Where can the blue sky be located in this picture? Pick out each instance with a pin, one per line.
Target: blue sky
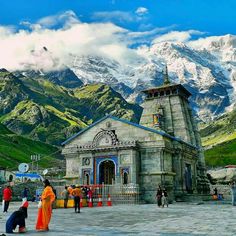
(216, 17)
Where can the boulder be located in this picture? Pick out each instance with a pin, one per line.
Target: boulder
(224, 175)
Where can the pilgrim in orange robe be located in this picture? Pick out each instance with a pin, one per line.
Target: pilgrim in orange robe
(45, 212)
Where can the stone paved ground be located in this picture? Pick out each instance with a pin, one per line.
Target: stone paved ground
(178, 219)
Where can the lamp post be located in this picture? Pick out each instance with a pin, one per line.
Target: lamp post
(35, 158)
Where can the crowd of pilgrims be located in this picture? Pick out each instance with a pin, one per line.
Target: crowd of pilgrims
(47, 199)
(45, 205)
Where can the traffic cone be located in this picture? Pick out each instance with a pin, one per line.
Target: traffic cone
(109, 201)
(90, 204)
(81, 202)
(99, 201)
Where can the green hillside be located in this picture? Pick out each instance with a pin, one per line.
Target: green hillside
(15, 149)
(100, 99)
(219, 140)
(51, 113)
(222, 154)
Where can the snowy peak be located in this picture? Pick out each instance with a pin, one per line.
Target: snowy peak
(215, 42)
(222, 46)
(206, 67)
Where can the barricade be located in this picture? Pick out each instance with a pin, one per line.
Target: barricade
(109, 200)
(81, 201)
(119, 194)
(60, 203)
(99, 201)
(90, 204)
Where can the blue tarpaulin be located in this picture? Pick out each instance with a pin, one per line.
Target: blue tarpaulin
(28, 175)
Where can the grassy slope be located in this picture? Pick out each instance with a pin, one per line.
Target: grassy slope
(219, 140)
(52, 113)
(100, 99)
(15, 149)
(56, 108)
(221, 154)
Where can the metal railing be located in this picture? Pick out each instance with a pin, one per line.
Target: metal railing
(119, 194)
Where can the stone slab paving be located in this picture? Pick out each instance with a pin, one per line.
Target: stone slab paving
(178, 219)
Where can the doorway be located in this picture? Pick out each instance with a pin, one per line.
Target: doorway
(107, 172)
(125, 178)
(86, 179)
(188, 178)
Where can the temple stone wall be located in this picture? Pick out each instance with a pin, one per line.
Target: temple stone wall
(165, 149)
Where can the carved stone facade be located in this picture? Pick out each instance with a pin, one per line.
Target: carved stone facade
(164, 149)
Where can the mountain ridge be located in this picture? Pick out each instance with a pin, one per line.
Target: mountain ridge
(45, 111)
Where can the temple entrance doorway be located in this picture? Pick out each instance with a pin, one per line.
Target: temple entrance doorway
(188, 178)
(107, 172)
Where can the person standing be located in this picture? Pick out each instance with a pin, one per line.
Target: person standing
(45, 211)
(233, 192)
(164, 198)
(159, 195)
(65, 194)
(25, 194)
(76, 193)
(7, 196)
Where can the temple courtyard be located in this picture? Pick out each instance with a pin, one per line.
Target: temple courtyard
(210, 218)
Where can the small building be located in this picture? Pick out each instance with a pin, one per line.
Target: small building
(163, 149)
(25, 177)
(6, 176)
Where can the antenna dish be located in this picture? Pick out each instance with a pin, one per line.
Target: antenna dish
(23, 167)
(45, 171)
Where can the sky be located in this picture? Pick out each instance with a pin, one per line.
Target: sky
(216, 17)
(106, 26)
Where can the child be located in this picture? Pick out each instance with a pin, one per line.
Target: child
(18, 218)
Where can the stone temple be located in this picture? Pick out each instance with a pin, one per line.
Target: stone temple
(163, 149)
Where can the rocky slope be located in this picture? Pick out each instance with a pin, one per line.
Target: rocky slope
(206, 67)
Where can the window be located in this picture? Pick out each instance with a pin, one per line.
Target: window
(156, 94)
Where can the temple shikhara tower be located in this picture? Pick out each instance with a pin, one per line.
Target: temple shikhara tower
(164, 149)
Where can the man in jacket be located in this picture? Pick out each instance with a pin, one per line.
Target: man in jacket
(7, 196)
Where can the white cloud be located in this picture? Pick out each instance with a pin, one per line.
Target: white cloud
(24, 48)
(66, 18)
(152, 32)
(177, 36)
(117, 16)
(141, 11)
(121, 16)
(5, 31)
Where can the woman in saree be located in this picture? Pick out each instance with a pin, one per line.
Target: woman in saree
(45, 211)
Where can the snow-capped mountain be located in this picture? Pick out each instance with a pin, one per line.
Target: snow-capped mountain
(206, 67)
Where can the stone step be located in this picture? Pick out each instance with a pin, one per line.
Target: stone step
(193, 198)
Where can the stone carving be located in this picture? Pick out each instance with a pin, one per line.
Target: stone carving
(112, 145)
(105, 138)
(86, 161)
(125, 159)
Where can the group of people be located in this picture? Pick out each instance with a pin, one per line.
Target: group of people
(18, 217)
(76, 192)
(162, 197)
